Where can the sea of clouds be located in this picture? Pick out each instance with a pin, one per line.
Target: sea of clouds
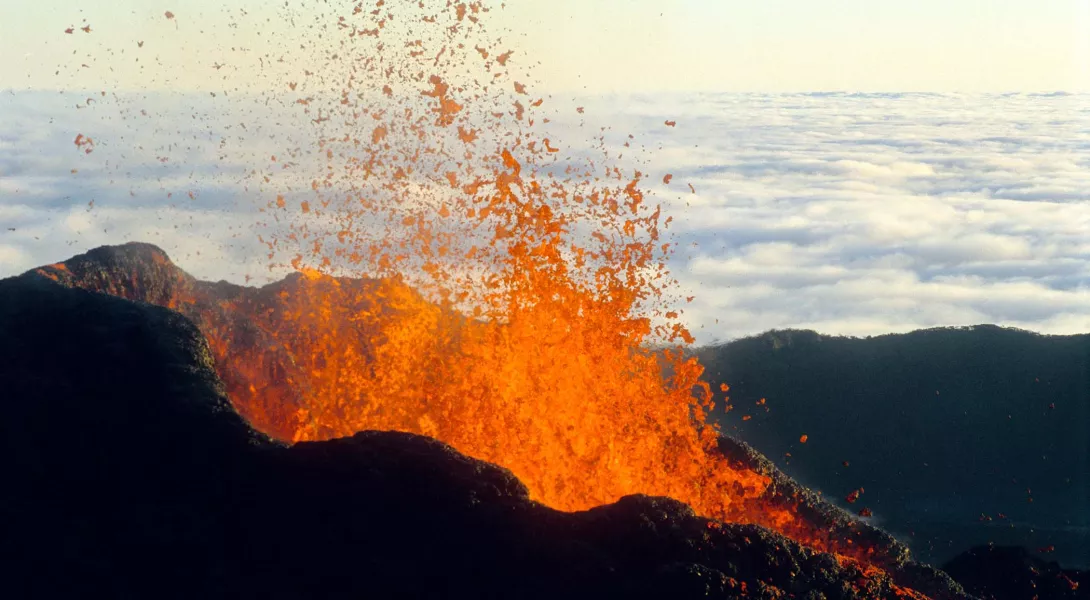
(850, 214)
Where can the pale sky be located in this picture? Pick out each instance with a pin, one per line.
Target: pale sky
(670, 45)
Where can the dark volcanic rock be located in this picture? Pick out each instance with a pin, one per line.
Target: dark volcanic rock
(1009, 573)
(119, 447)
(886, 551)
(259, 342)
(127, 475)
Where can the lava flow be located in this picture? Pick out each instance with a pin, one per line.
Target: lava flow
(463, 276)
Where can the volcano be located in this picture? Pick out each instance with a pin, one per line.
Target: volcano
(475, 385)
(137, 468)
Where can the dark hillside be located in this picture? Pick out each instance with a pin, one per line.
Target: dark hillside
(958, 437)
(129, 475)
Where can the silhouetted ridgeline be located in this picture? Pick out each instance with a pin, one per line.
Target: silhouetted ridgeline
(127, 474)
(957, 436)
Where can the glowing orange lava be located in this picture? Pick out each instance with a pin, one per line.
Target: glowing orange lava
(542, 285)
(464, 275)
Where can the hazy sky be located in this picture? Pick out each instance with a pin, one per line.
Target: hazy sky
(640, 45)
(803, 45)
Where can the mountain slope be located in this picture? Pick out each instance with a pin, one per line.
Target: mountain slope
(957, 437)
(128, 475)
(268, 342)
(307, 345)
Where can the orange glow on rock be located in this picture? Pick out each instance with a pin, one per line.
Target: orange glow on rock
(505, 309)
(459, 277)
(508, 297)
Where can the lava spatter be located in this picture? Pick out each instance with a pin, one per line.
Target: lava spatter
(542, 286)
(515, 303)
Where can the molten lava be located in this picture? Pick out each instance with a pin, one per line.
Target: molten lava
(542, 284)
(462, 277)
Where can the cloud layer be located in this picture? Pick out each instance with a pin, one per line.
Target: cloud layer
(846, 213)
(862, 214)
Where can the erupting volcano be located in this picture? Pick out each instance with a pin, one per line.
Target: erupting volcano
(508, 301)
(258, 336)
(463, 277)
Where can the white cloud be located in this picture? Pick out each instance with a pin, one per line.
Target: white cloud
(861, 214)
(851, 214)
(893, 170)
(15, 256)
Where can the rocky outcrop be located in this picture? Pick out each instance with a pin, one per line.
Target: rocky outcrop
(257, 336)
(128, 475)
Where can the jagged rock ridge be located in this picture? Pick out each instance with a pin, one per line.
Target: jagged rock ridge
(257, 335)
(265, 380)
(128, 475)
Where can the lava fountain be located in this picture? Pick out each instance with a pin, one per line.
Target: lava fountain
(463, 276)
(541, 337)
